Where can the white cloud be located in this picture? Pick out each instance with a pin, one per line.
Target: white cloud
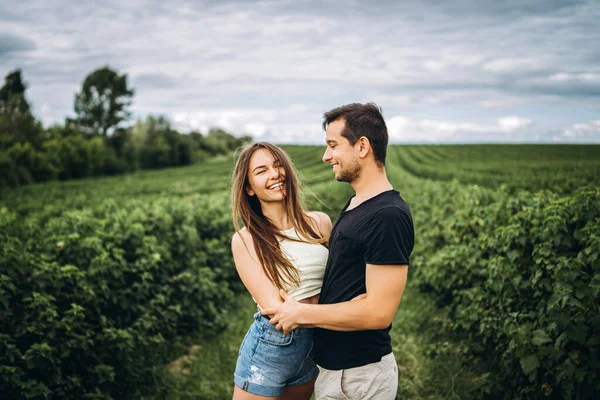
(512, 124)
(513, 64)
(253, 122)
(567, 77)
(47, 113)
(275, 125)
(243, 65)
(280, 127)
(500, 102)
(407, 129)
(584, 131)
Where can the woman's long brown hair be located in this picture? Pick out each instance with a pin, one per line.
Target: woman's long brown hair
(265, 234)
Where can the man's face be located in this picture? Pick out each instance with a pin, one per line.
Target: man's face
(340, 154)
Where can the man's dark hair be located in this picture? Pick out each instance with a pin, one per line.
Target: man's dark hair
(362, 120)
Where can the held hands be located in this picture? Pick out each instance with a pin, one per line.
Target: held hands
(286, 316)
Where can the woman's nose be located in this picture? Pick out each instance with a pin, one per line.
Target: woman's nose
(275, 172)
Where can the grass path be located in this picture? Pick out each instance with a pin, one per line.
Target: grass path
(429, 366)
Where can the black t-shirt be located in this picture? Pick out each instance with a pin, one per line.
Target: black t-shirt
(377, 231)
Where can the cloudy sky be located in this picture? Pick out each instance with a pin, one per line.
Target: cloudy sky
(443, 71)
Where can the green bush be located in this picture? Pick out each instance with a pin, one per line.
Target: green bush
(7, 174)
(30, 165)
(520, 275)
(95, 302)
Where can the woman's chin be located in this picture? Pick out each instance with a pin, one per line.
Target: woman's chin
(272, 198)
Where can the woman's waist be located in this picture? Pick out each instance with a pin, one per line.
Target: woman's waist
(306, 298)
(306, 290)
(263, 322)
(311, 298)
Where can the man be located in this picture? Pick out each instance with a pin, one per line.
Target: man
(370, 246)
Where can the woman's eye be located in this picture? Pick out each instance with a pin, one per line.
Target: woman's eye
(260, 172)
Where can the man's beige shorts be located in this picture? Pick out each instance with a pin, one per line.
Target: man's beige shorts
(372, 381)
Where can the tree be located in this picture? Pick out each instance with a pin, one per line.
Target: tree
(17, 124)
(160, 145)
(103, 101)
(122, 141)
(13, 84)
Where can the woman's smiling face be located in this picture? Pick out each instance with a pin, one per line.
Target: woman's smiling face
(266, 177)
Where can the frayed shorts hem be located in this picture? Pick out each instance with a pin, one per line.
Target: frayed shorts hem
(257, 389)
(272, 391)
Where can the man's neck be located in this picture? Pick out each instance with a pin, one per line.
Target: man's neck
(372, 182)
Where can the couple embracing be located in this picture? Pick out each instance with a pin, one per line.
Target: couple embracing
(327, 294)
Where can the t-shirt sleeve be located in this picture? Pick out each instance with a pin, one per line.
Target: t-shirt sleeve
(389, 237)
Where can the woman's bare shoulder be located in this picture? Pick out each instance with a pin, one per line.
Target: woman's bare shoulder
(318, 216)
(323, 221)
(241, 240)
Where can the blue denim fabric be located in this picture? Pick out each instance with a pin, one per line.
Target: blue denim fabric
(269, 360)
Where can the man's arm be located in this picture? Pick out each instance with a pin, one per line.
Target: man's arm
(374, 310)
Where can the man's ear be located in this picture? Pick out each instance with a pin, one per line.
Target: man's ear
(249, 191)
(364, 147)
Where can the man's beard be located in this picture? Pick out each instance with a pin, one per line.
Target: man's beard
(351, 173)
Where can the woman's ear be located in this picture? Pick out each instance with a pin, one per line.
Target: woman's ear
(249, 191)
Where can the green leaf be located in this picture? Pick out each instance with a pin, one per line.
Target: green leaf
(559, 344)
(530, 364)
(540, 338)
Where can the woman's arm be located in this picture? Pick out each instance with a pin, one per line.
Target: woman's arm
(251, 272)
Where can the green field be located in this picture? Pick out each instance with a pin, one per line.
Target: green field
(123, 287)
(560, 168)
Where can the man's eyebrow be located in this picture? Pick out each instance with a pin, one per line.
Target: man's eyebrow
(331, 141)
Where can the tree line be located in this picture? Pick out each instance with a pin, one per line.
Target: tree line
(98, 140)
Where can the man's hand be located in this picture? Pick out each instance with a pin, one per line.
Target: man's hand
(287, 315)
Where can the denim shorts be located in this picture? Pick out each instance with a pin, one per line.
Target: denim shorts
(269, 360)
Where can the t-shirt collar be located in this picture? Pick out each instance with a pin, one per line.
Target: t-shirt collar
(366, 201)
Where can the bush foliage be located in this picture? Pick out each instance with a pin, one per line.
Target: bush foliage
(102, 281)
(520, 275)
(95, 302)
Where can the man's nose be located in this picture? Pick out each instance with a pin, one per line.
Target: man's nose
(326, 155)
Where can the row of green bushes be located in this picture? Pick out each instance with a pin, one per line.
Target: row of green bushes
(560, 168)
(65, 158)
(520, 277)
(66, 153)
(94, 303)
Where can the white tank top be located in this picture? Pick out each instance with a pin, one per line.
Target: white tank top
(310, 260)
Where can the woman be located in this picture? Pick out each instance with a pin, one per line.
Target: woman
(280, 247)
